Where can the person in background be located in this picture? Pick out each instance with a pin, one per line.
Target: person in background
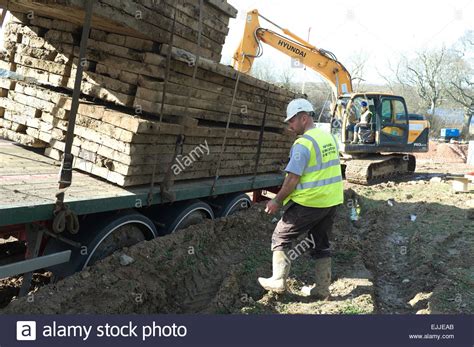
(365, 119)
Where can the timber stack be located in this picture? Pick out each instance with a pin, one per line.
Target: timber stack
(154, 98)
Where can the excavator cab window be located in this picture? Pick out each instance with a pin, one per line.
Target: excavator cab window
(400, 114)
(393, 111)
(386, 114)
(394, 121)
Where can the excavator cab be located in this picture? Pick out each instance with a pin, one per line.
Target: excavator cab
(388, 128)
(378, 154)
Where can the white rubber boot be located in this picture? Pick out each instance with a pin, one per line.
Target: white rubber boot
(350, 136)
(281, 269)
(320, 290)
(355, 138)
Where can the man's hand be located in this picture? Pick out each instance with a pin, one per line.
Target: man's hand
(288, 186)
(272, 206)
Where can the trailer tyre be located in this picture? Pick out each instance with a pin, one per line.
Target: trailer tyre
(181, 215)
(195, 213)
(234, 203)
(100, 237)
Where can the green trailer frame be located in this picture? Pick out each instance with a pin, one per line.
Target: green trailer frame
(22, 214)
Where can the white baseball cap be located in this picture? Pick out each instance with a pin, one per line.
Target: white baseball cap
(297, 105)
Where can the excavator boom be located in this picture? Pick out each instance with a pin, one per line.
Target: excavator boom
(298, 49)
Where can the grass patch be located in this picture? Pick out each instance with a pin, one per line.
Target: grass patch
(259, 259)
(352, 309)
(345, 257)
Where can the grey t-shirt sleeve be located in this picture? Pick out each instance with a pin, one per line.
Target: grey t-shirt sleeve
(299, 159)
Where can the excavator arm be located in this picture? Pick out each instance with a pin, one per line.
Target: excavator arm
(321, 61)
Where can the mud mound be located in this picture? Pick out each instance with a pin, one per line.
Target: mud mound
(445, 152)
(181, 272)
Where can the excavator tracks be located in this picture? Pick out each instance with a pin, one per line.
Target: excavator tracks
(377, 168)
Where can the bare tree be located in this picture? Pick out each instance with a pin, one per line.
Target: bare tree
(320, 94)
(286, 77)
(414, 103)
(357, 67)
(425, 74)
(460, 84)
(263, 69)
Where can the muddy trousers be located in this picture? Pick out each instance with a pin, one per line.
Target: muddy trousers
(298, 219)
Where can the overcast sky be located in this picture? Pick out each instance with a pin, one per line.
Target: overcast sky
(381, 30)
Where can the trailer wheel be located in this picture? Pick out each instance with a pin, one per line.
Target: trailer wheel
(180, 215)
(234, 203)
(195, 213)
(123, 236)
(100, 237)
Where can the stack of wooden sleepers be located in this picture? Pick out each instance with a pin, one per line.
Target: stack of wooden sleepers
(118, 132)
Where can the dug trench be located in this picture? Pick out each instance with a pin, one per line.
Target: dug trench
(386, 261)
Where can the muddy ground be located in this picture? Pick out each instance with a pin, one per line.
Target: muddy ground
(409, 251)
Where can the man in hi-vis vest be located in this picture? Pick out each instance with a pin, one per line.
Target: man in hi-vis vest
(313, 188)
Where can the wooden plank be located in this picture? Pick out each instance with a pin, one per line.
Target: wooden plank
(32, 102)
(132, 149)
(9, 104)
(111, 18)
(108, 83)
(226, 89)
(116, 50)
(189, 58)
(51, 96)
(176, 94)
(121, 99)
(128, 170)
(23, 139)
(124, 180)
(133, 43)
(22, 119)
(184, 36)
(41, 64)
(212, 28)
(223, 6)
(175, 109)
(119, 144)
(133, 123)
(62, 10)
(105, 94)
(42, 76)
(62, 54)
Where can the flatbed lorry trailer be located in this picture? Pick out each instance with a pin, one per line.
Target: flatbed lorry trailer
(68, 221)
(109, 217)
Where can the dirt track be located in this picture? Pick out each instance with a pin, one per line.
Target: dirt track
(383, 263)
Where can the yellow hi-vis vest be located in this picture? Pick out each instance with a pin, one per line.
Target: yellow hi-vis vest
(321, 183)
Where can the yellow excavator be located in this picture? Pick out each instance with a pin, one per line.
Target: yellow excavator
(384, 142)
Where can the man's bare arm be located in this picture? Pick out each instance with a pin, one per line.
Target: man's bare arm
(288, 186)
